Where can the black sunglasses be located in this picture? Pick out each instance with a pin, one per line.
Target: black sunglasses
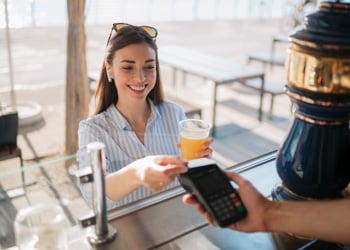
(153, 32)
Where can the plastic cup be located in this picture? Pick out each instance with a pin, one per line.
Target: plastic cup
(194, 134)
(41, 227)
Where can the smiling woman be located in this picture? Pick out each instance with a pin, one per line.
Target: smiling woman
(134, 78)
(138, 127)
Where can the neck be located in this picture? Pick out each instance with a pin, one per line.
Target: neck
(137, 116)
(136, 112)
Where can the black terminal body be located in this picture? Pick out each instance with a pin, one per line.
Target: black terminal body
(212, 188)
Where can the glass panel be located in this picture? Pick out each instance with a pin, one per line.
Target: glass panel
(51, 182)
(46, 182)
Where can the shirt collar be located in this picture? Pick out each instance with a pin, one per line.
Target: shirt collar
(122, 123)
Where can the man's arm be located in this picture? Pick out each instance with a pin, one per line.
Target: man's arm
(325, 220)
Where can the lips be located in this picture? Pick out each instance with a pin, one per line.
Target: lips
(138, 87)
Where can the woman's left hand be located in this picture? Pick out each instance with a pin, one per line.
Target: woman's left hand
(206, 149)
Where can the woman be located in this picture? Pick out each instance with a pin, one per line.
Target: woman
(139, 129)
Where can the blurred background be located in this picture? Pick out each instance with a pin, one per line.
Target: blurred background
(43, 13)
(39, 43)
(34, 73)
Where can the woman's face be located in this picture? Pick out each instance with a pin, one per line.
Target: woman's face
(134, 71)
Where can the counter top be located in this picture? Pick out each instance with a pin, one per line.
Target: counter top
(169, 224)
(163, 222)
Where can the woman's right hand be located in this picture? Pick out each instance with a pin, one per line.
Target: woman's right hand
(156, 172)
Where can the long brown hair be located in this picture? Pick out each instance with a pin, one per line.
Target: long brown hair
(106, 92)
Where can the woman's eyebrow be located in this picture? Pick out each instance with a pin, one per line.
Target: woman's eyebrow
(132, 61)
(150, 60)
(127, 61)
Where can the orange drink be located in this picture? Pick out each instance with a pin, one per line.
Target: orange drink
(193, 135)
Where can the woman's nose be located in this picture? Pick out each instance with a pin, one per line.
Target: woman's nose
(140, 75)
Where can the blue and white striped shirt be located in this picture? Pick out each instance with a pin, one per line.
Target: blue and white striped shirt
(122, 144)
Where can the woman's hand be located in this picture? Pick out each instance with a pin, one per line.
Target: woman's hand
(254, 202)
(156, 172)
(206, 149)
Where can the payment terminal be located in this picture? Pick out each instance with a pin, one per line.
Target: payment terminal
(212, 188)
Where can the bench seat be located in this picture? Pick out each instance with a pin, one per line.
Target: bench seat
(267, 59)
(191, 111)
(273, 88)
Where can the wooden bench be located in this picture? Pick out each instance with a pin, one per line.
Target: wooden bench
(273, 88)
(267, 59)
(93, 78)
(215, 69)
(279, 39)
(271, 58)
(191, 111)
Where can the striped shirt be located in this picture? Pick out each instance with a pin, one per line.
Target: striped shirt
(122, 144)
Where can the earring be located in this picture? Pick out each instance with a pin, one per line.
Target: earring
(108, 76)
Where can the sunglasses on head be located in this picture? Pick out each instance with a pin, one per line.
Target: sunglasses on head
(151, 31)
